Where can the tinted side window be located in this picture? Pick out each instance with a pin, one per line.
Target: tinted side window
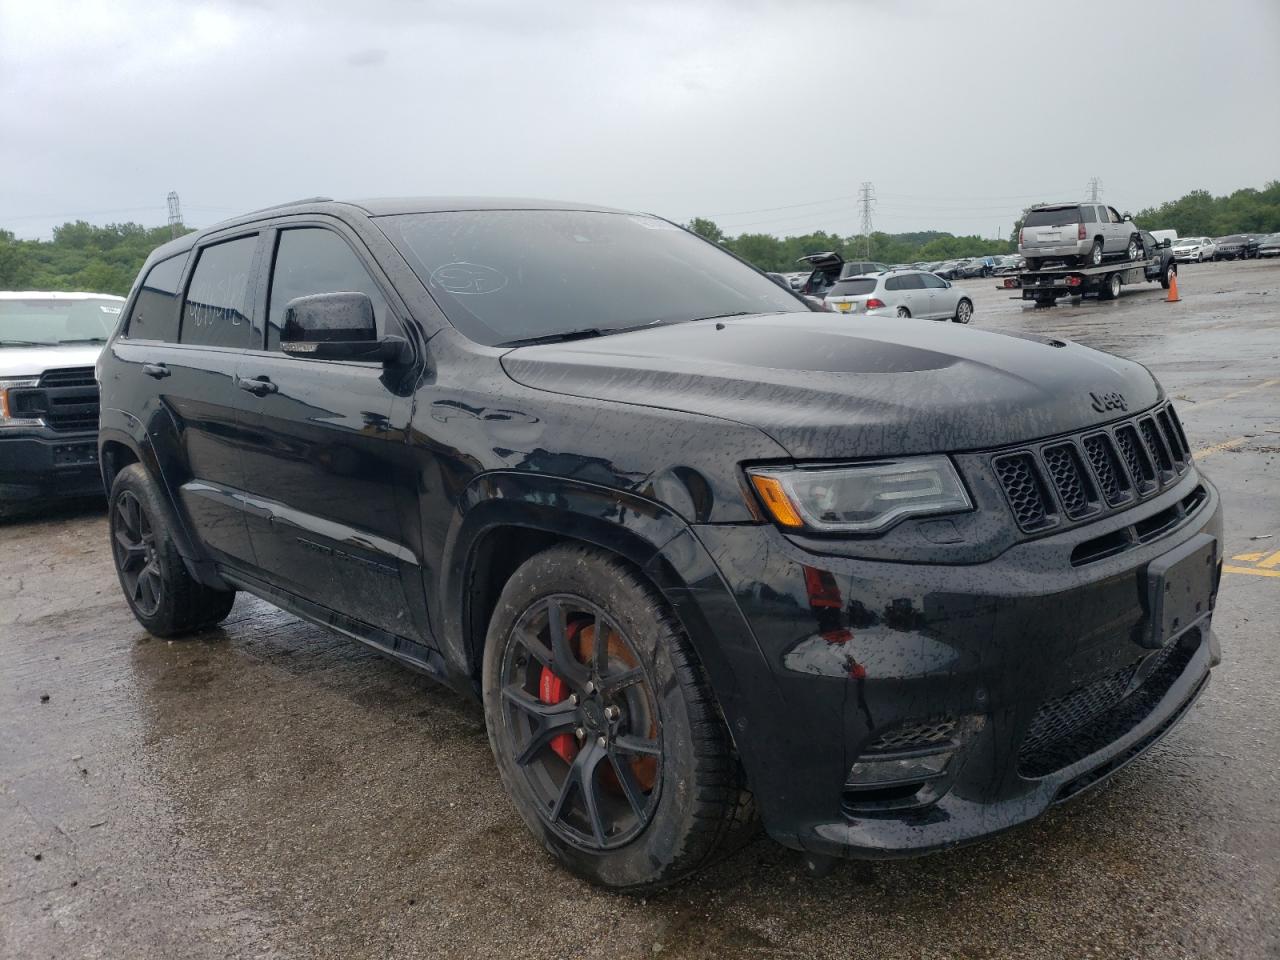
(1089, 214)
(216, 311)
(1115, 217)
(912, 281)
(155, 312)
(311, 260)
(932, 280)
(894, 283)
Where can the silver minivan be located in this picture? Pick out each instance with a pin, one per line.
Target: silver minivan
(901, 293)
(1081, 232)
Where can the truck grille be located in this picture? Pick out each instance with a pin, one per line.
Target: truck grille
(68, 398)
(1080, 476)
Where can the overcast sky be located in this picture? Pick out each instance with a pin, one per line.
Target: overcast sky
(765, 116)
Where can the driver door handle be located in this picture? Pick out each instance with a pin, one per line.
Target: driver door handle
(258, 386)
(157, 370)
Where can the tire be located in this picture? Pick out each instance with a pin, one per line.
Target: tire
(157, 586)
(694, 803)
(1111, 289)
(1170, 269)
(1134, 250)
(964, 311)
(1094, 257)
(903, 313)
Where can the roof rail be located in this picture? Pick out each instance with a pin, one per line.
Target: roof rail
(292, 203)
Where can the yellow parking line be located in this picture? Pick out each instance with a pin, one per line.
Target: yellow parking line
(1219, 447)
(1250, 557)
(1271, 561)
(1256, 573)
(1233, 395)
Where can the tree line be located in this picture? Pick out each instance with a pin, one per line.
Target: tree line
(106, 259)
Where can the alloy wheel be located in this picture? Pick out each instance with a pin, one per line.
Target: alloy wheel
(964, 311)
(133, 543)
(581, 722)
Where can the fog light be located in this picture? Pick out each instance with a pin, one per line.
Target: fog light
(880, 773)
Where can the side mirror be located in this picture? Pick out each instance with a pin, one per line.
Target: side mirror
(1128, 219)
(336, 326)
(1166, 243)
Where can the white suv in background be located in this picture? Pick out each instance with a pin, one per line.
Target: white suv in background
(901, 293)
(1194, 249)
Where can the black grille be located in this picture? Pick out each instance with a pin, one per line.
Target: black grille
(1116, 487)
(1136, 457)
(68, 377)
(1024, 490)
(1152, 439)
(1177, 426)
(1071, 727)
(1171, 438)
(1104, 469)
(67, 399)
(1074, 487)
(913, 736)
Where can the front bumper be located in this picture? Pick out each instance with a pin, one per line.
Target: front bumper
(49, 465)
(860, 651)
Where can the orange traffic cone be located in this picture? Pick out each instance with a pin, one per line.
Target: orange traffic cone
(1173, 287)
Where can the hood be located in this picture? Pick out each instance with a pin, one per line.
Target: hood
(33, 361)
(823, 386)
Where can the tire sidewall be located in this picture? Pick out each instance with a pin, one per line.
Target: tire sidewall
(135, 480)
(642, 861)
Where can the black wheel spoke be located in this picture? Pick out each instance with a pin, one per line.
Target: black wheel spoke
(549, 720)
(590, 759)
(563, 661)
(612, 685)
(630, 786)
(637, 746)
(600, 651)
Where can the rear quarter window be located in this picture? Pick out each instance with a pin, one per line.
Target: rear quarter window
(857, 287)
(155, 312)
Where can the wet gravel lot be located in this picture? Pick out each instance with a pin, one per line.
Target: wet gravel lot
(271, 790)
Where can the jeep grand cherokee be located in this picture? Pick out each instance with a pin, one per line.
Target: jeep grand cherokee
(700, 551)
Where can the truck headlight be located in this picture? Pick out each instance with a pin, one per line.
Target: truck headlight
(860, 498)
(9, 417)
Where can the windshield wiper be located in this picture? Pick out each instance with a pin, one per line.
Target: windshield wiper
(722, 316)
(28, 343)
(585, 333)
(85, 340)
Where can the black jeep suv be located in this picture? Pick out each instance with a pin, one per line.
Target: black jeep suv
(701, 551)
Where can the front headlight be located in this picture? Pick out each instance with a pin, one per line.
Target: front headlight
(7, 411)
(861, 498)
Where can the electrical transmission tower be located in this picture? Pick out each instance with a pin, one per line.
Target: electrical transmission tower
(175, 214)
(866, 199)
(1095, 189)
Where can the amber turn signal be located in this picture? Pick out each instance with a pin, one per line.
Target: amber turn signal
(776, 500)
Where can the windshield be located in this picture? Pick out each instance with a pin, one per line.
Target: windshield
(1057, 217)
(1188, 242)
(503, 276)
(859, 287)
(45, 321)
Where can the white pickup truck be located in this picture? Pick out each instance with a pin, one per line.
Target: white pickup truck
(49, 343)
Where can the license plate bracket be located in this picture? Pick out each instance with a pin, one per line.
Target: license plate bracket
(1179, 589)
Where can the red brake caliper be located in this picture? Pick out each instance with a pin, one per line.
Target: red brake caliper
(553, 689)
